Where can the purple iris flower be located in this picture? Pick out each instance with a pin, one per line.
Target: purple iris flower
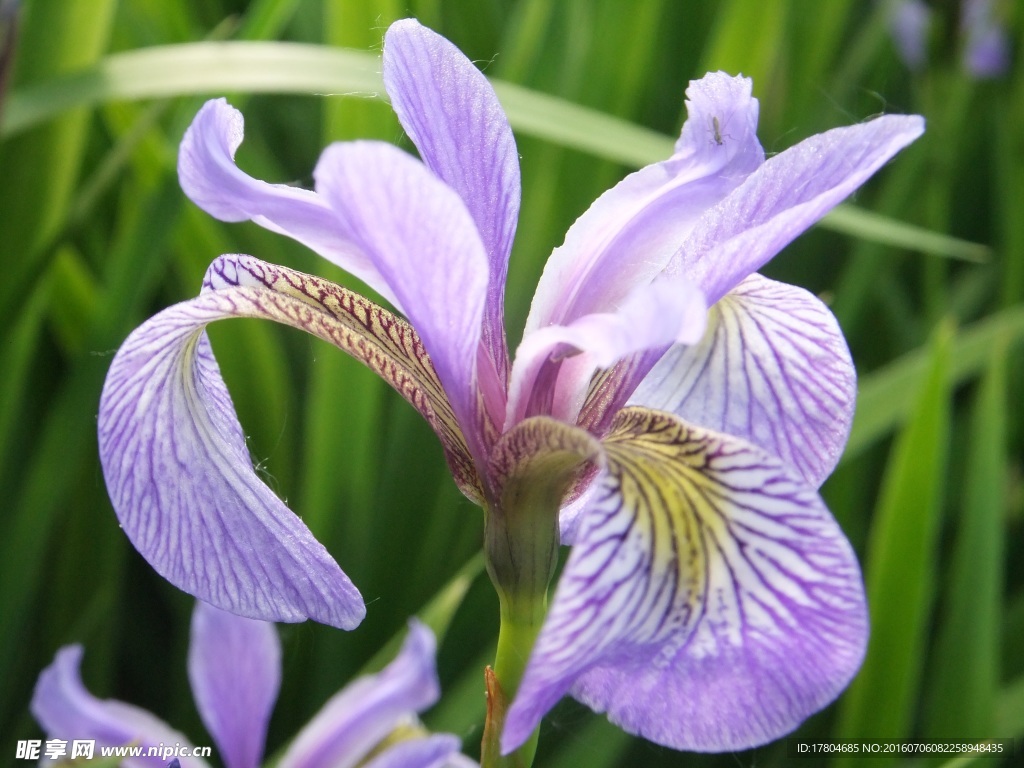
(985, 45)
(234, 666)
(986, 50)
(710, 601)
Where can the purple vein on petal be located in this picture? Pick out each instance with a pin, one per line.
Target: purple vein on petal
(773, 368)
(183, 486)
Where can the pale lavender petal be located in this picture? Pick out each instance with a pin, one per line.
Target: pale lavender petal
(426, 246)
(357, 718)
(234, 666)
(209, 176)
(710, 602)
(453, 116)
(785, 196)
(65, 710)
(438, 751)
(183, 486)
(629, 235)
(987, 47)
(909, 21)
(773, 368)
(554, 364)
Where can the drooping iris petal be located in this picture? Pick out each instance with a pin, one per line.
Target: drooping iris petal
(209, 176)
(357, 718)
(424, 242)
(386, 344)
(438, 751)
(773, 368)
(710, 601)
(629, 235)
(453, 116)
(785, 196)
(554, 364)
(66, 710)
(234, 666)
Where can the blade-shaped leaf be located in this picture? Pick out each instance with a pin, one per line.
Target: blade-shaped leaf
(900, 568)
(965, 672)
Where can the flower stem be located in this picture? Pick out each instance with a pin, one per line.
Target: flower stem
(521, 621)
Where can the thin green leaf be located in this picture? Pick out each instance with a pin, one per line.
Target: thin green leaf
(262, 67)
(965, 666)
(1009, 718)
(900, 564)
(436, 614)
(885, 397)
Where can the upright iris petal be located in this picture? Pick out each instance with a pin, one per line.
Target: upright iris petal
(453, 117)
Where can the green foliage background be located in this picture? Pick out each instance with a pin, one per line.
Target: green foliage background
(95, 236)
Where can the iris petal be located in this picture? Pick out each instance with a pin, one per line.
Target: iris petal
(554, 365)
(234, 666)
(422, 238)
(773, 368)
(386, 344)
(209, 176)
(66, 710)
(183, 486)
(710, 601)
(785, 196)
(630, 233)
(453, 116)
(357, 718)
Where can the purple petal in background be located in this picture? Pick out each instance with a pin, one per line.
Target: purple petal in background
(209, 176)
(183, 486)
(909, 21)
(452, 115)
(785, 196)
(357, 718)
(773, 369)
(438, 751)
(628, 236)
(709, 603)
(234, 666)
(424, 242)
(986, 45)
(66, 710)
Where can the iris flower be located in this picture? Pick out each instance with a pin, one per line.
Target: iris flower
(710, 600)
(984, 42)
(234, 666)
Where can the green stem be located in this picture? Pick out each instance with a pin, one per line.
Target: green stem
(520, 624)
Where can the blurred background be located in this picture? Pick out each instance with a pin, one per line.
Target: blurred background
(924, 269)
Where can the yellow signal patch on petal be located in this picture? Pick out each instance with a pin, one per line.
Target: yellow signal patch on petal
(710, 601)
